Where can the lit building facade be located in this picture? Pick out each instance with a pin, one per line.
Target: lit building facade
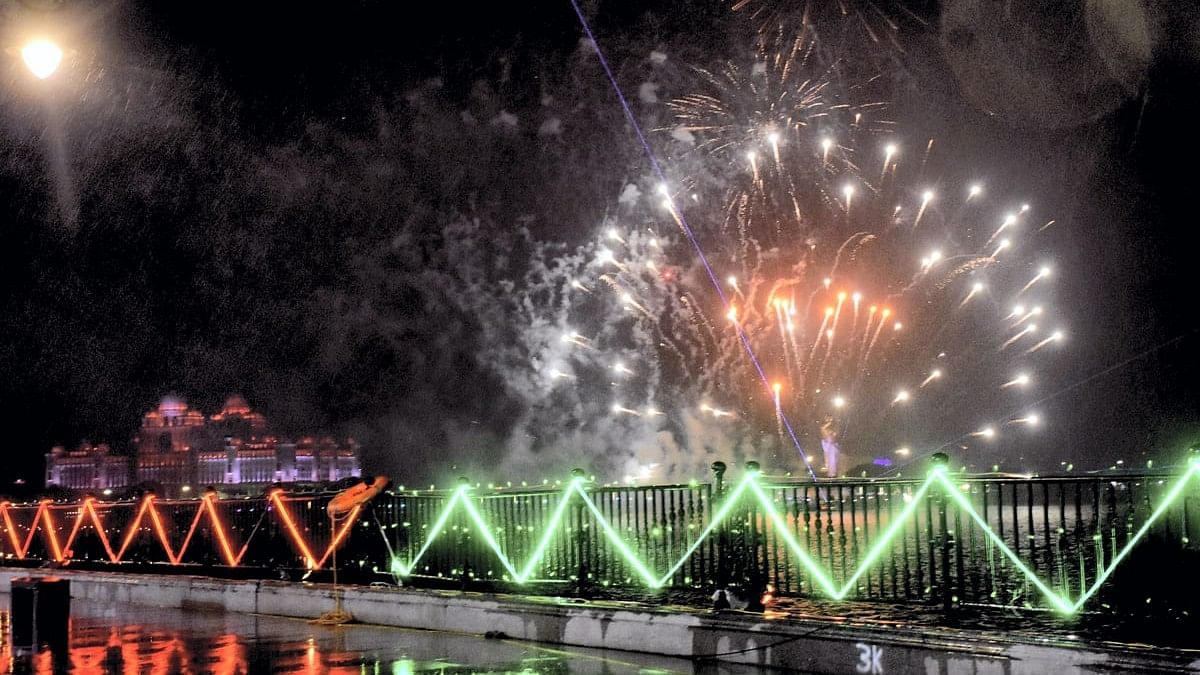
(88, 467)
(178, 450)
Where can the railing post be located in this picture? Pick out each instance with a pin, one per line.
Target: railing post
(755, 576)
(940, 462)
(463, 541)
(583, 586)
(721, 573)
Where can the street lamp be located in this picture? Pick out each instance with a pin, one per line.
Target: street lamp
(42, 57)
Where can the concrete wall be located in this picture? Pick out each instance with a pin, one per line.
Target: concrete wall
(813, 646)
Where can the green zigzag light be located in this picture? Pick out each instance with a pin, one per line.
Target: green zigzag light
(1060, 602)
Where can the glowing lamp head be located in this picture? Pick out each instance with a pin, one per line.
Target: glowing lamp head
(1032, 420)
(975, 190)
(1057, 336)
(1022, 379)
(987, 432)
(857, 297)
(902, 396)
(829, 333)
(1018, 309)
(1044, 271)
(732, 314)
(41, 57)
(927, 196)
(731, 280)
(935, 374)
(886, 312)
(977, 287)
(773, 138)
(752, 156)
(839, 402)
(1009, 220)
(828, 311)
(613, 234)
(848, 190)
(827, 282)
(662, 190)
(604, 255)
(841, 296)
(777, 387)
(1024, 208)
(903, 452)
(872, 309)
(897, 326)
(1036, 311)
(826, 144)
(889, 149)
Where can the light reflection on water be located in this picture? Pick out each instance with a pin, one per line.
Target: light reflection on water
(129, 640)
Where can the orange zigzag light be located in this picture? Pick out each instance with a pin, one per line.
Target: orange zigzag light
(87, 511)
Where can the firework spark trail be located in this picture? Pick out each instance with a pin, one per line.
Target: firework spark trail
(783, 322)
(686, 229)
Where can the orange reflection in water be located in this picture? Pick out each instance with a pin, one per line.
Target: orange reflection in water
(130, 649)
(94, 647)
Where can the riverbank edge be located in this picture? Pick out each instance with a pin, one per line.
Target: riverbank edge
(736, 637)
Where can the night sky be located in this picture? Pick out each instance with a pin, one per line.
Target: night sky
(206, 200)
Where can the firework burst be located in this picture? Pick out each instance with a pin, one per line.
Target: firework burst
(880, 305)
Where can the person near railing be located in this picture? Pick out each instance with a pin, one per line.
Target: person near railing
(829, 446)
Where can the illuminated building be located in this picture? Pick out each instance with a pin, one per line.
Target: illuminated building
(88, 467)
(178, 450)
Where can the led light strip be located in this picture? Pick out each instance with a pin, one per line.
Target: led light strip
(938, 478)
(43, 519)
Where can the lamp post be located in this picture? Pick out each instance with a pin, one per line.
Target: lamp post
(42, 57)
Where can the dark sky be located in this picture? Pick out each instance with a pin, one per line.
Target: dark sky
(200, 253)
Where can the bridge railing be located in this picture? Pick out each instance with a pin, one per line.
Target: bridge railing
(1097, 543)
(1057, 543)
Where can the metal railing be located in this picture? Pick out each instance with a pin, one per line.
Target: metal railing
(1100, 543)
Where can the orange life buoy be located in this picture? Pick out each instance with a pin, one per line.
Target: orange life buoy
(356, 495)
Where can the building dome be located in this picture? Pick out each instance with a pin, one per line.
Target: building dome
(171, 406)
(236, 405)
